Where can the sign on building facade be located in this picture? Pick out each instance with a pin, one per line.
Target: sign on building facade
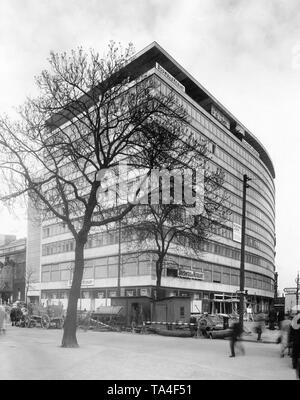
(236, 232)
(170, 77)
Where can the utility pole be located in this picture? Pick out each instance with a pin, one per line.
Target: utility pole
(297, 291)
(275, 285)
(119, 260)
(242, 267)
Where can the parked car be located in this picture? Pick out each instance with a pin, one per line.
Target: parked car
(210, 322)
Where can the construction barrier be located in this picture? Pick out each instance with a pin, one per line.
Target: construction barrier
(171, 323)
(219, 334)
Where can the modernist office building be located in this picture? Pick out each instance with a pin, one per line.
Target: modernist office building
(211, 280)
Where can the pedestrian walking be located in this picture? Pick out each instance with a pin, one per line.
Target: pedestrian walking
(13, 316)
(272, 318)
(281, 317)
(235, 337)
(3, 318)
(193, 326)
(295, 337)
(86, 321)
(285, 325)
(249, 313)
(260, 325)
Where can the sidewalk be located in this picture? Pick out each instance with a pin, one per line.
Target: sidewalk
(268, 336)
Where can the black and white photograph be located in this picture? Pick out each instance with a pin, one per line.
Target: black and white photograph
(149, 160)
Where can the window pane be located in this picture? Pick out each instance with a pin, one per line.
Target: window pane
(101, 271)
(113, 271)
(45, 276)
(88, 273)
(207, 275)
(217, 277)
(65, 275)
(129, 269)
(226, 279)
(144, 268)
(55, 276)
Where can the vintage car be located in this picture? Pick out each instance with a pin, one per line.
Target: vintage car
(209, 322)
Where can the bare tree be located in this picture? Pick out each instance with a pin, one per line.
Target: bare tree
(92, 113)
(30, 279)
(180, 227)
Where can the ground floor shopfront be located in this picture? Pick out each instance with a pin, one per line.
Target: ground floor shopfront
(201, 300)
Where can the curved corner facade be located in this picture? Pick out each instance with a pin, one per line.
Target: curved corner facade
(211, 280)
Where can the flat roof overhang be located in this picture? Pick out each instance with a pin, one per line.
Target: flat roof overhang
(147, 58)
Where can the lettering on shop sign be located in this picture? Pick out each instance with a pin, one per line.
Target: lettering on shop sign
(190, 274)
(84, 282)
(169, 76)
(290, 290)
(220, 116)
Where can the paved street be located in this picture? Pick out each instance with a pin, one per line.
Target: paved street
(36, 354)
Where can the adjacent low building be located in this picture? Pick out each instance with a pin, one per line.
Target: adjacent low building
(212, 279)
(12, 268)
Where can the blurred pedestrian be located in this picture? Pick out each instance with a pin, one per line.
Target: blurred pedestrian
(18, 316)
(284, 335)
(260, 325)
(249, 313)
(295, 337)
(281, 317)
(13, 316)
(86, 321)
(3, 318)
(193, 326)
(235, 337)
(272, 318)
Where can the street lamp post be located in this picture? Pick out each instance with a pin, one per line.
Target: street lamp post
(297, 291)
(276, 286)
(119, 261)
(242, 267)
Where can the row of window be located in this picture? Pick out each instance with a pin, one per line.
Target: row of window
(111, 237)
(105, 267)
(256, 170)
(257, 164)
(252, 210)
(254, 227)
(237, 166)
(95, 294)
(230, 252)
(133, 265)
(236, 185)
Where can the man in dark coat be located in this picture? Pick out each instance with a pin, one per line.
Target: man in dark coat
(235, 334)
(295, 338)
(19, 315)
(13, 316)
(272, 318)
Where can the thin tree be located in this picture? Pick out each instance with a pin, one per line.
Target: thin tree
(172, 226)
(29, 279)
(92, 113)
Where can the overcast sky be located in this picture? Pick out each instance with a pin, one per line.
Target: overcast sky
(240, 50)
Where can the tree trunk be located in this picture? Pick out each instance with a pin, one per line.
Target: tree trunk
(159, 265)
(69, 337)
